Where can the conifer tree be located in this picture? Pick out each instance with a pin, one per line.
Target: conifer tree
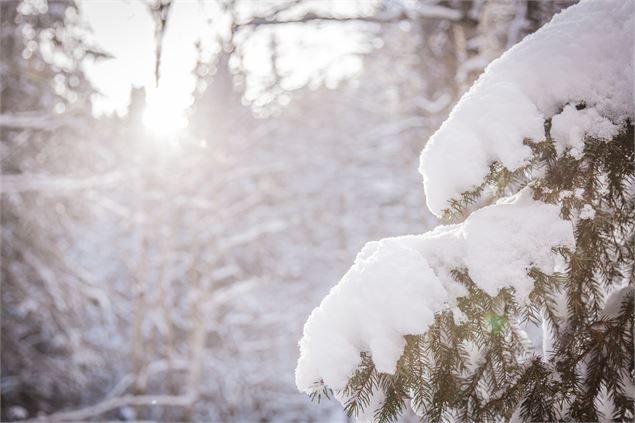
(476, 361)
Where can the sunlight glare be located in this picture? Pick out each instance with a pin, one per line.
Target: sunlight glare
(163, 117)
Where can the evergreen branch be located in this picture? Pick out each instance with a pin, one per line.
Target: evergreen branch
(360, 387)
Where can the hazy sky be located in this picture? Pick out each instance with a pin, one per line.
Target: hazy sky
(125, 29)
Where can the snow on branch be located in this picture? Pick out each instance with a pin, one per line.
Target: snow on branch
(83, 414)
(42, 121)
(48, 183)
(397, 285)
(422, 11)
(564, 65)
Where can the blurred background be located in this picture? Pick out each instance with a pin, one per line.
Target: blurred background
(183, 181)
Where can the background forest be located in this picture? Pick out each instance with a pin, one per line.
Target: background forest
(155, 273)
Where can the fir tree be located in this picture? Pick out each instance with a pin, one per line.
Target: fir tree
(474, 362)
(433, 371)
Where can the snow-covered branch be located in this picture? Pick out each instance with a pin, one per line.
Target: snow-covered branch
(42, 121)
(119, 402)
(423, 11)
(51, 183)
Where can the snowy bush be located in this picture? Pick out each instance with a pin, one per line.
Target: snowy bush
(522, 306)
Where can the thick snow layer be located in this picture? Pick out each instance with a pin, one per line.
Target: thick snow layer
(505, 240)
(569, 128)
(583, 56)
(389, 292)
(397, 284)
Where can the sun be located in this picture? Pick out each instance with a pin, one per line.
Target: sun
(162, 117)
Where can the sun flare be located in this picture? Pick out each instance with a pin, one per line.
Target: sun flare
(161, 117)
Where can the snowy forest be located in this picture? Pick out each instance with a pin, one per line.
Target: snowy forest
(184, 182)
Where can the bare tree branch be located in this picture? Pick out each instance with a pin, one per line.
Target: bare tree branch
(159, 11)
